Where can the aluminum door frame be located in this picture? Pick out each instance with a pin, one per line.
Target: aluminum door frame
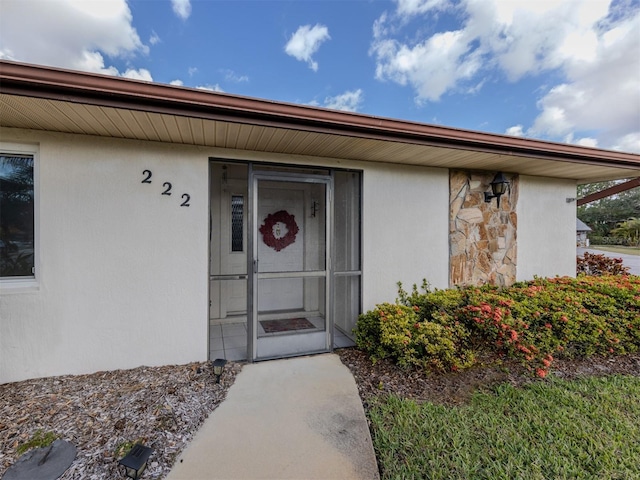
(252, 259)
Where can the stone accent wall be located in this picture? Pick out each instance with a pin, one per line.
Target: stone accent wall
(482, 238)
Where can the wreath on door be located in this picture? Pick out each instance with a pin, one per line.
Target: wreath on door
(272, 234)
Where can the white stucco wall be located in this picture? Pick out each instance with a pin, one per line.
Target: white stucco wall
(405, 230)
(123, 269)
(546, 228)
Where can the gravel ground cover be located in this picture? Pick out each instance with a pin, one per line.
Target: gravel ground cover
(162, 407)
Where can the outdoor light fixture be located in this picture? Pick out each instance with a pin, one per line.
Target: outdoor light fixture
(218, 367)
(135, 461)
(499, 186)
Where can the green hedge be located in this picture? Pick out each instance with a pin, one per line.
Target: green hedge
(533, 321)
(598, 240)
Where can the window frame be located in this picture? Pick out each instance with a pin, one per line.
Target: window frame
(18, 284)
(235, 223)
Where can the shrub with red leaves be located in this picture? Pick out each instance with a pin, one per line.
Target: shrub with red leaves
(599, 264)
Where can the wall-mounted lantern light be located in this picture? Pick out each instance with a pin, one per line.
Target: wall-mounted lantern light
(499, 186)
(218, 367)
(135, 461)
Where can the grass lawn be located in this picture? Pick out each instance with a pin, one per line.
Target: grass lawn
(553, 429)
(617, 249)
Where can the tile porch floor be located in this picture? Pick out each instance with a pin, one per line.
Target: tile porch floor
(230, 341)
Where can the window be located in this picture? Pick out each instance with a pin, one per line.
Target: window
(17, 207)
(237, 218)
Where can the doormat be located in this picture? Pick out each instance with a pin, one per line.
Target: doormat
(286, 325)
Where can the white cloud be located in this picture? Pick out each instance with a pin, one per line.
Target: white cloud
(414, 7)
(71, 34)
(380, 29)
(348, 101)
(231, 76)
(529, 37)
(516, 131)
(431, 67)
(182, 8)
(193, 71)
(583, 141)
(587, 142)
(600, 95)
(211, 88)
(553, 119)
(628, 143)
(90, 62)
(178, 83)
(139, 74)
(592, 48)
(305, 42)
(154, 38)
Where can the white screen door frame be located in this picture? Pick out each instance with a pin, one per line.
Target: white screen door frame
(261, 346)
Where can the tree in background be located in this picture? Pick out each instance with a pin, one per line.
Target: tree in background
(629, 230)
(606, 214)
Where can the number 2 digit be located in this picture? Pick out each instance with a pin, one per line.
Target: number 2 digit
(167, 190)
(186, 197)
(146, 179)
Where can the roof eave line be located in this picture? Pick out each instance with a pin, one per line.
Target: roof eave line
(102, 90)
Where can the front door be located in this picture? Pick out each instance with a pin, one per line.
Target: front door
(289, 308)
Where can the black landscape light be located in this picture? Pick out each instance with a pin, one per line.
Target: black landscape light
(499, 186)
(218, 367)
(135, 461)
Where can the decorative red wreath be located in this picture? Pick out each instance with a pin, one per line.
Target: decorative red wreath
(271, 233)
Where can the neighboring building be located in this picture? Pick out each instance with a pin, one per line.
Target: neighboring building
(582, 230)
(140, 220)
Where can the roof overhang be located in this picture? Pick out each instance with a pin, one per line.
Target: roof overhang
(607, 192)
(51, 99)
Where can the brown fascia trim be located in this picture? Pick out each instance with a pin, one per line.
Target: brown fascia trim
(102, 90)
(607, 192)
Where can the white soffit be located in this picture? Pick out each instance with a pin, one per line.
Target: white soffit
(106, 121)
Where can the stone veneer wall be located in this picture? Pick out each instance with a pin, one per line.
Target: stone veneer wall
(482, 238)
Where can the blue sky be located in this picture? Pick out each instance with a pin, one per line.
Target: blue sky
(566, 71)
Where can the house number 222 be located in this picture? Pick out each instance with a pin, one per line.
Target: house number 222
(167, 188)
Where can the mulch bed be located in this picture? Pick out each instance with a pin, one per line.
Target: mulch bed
(160, 406)
(384, 377)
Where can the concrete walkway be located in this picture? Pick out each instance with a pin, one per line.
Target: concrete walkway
(628, 260)
(298, 418)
